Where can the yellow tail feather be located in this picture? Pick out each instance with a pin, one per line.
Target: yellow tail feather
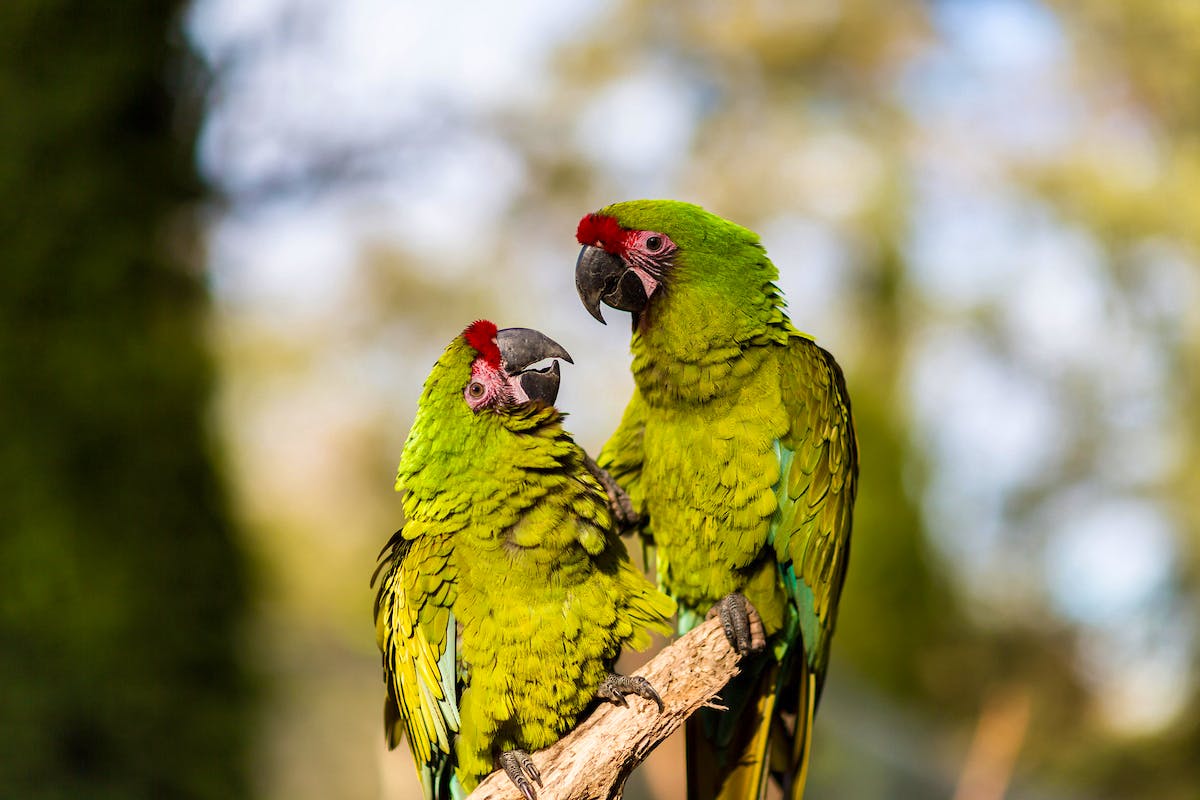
(739, 772)
(762, 746)
(802, 740)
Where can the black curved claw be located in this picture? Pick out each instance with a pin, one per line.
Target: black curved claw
(516, 765)
(743, 626)
(615, 687)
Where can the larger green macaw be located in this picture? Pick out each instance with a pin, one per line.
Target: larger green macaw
(738, 450)
(507, 595)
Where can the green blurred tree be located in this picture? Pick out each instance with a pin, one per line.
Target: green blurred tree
(123, 588)
(1140, 62)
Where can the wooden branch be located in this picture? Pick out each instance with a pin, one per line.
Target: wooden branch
(594, 760)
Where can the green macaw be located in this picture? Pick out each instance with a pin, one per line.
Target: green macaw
(507, 595)
(738, 450)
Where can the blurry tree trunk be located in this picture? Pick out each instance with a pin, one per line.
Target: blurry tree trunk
(123, 588)
(1003, 725)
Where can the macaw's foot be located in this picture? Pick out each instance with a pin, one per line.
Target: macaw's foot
(615, 687)
(743, 626)
(618, 501)
(519, 768)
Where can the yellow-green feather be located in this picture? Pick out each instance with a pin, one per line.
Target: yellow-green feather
(509, 549)
(738, 449)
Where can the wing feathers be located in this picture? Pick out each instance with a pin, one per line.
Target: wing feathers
(416, 632)
(812, 530)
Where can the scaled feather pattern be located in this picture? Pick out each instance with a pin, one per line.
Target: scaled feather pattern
(738, 450)
(506, 597)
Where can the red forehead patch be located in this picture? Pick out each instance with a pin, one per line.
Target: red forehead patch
(604, 231)
(481, 334)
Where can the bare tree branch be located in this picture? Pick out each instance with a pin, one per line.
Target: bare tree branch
(594, 760)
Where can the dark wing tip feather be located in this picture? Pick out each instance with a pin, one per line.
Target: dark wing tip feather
(393, 725)
(392, 554)
(394, 549)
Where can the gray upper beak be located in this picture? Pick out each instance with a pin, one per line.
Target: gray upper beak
(601, 276)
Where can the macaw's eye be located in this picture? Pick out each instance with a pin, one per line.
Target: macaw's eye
(654, 244)
(475, 390)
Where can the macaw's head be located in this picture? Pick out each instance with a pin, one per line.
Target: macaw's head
(639, 253)
(503, 370)
(486, 391)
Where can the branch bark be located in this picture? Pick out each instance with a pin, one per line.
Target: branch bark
(595, 759)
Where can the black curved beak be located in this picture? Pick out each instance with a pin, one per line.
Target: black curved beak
(522, 347)
(601, 276)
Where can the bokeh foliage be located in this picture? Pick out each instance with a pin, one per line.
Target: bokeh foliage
(985, 209)
(123, 588)
(843, 121)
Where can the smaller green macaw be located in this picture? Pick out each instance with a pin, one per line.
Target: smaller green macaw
(507, 595)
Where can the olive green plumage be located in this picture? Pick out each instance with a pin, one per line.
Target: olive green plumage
(739, 450)
(507, 595)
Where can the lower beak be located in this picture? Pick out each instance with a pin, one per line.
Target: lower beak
(601, 276)
(523, 347)
(540, 385)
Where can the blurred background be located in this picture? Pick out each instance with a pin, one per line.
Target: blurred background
(236, 234)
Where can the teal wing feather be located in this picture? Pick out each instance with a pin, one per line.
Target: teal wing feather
(811, 535)
(818, 483)
(416, 632)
